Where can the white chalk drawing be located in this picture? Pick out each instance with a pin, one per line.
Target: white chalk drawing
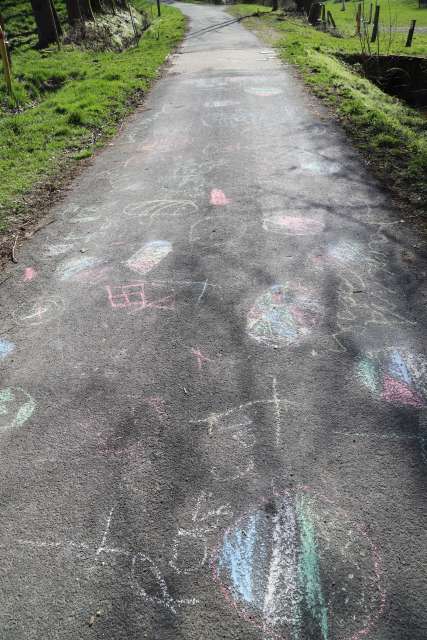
(161, 294)
(264, 91)
(16, 407)
(57, 250)
(297, 566)
(161, 208)
(36, 313)
(294, 225)
(190, 548)
(149, 256)
(315, 163)
(287, 314)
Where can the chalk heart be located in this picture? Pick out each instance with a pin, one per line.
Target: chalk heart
(396, 376)
(284, 315)
(16, 406)
(297, 567)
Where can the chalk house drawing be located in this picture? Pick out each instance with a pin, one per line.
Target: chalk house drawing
(297, 567)
(396, 376)
(16, 406)
(293, 225)
(149, 256)
(284, 315)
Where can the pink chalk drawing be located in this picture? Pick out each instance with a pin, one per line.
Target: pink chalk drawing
(200, 358)
(29, 274)
(285, 315)
(396, 376)
(139, 295)
(296, 561)
(218, 198)
(294, 225)
(149, 256)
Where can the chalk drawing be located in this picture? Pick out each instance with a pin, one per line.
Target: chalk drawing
(200, 358)
(6, 348)
(140, 295)
(293, 225)
(29, 274)
(396, 376)
(165, 144)
(215, 231)
(220, 104)
(190, 548)
(36, 313)
(74, 267)
(264, 92)
(149, 256)
(57, 250)
(317, 164)
(160, 208)
(296, 566)
(16, 407)
(218, 198)
(284, 315)
(158, 405)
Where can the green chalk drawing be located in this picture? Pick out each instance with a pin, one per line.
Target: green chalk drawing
(16, 406)
(368, 373)
(309, 572)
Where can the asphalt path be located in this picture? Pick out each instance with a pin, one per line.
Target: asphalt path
(213, 378)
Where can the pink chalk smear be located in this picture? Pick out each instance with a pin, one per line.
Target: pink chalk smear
(29, 274)
(219, 198)
(397, 393)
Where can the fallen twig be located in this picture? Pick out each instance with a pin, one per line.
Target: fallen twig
(14, 259)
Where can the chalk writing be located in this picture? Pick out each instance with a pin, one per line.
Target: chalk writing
(29, 274)
(396, 376)
(296, 564)
(140, 295)
(218, 198)
(41, 312)
(6, 348)
(293, 225)
(285, 315)
(16, 407)
(149, 256)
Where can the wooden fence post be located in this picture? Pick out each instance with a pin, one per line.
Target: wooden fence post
(6, 66)
(376, 20)
(410, 33)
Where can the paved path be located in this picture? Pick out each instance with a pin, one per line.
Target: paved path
(213, 396)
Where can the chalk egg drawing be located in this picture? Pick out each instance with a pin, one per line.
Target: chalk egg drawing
(76, 266)
(297, 567)
(284, 315)
(293, 225)
(264, 92)
(395, 376)
(16, 406)
(6, 348)
(149, 256)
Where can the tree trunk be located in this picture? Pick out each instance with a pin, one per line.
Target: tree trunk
(47, 21)
(86, 9)
(73, 12)
(97, 6)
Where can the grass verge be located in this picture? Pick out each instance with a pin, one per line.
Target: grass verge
(70, 102)
(391, 135)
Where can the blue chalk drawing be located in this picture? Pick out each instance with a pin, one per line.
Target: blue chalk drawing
(6, 348)
(237, 557)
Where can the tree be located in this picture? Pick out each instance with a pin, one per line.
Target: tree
(73, 11)
(86, 9)
(47, 21)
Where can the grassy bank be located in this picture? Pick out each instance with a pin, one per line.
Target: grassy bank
(391, 135)
(69, 102)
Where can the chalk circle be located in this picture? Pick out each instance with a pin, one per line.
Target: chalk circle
(285, 315)
(396, 376)
(161, 208)
(36, 313)
(297, 566)
(294, 225)
(16, 406)
(215, 231)
(264, 92)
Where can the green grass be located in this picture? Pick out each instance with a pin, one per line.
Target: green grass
(70, 101)
(392, 135)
